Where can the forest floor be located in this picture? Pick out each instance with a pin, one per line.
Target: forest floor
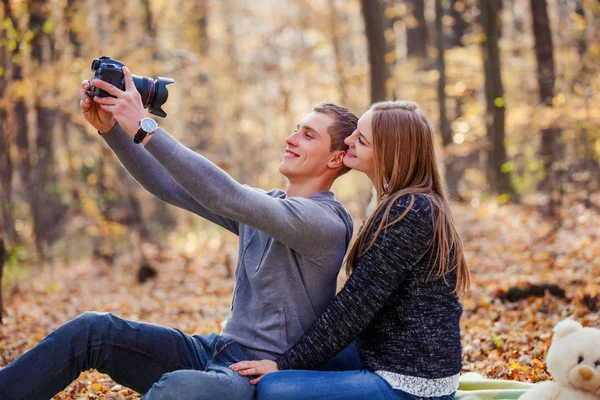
(506, 246)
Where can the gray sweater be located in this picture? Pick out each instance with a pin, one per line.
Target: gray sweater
(290, 248)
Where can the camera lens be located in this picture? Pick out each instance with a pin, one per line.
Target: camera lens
(154, 93)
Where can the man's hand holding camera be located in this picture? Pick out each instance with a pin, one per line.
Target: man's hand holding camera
(100, 119)
(126, 106)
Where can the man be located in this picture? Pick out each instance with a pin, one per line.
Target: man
(291, 247)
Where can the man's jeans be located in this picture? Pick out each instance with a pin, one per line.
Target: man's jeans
(330, 385)
(135, 354)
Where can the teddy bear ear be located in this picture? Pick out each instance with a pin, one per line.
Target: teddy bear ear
(566, 327)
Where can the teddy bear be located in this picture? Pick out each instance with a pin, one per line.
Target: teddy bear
(574, 362)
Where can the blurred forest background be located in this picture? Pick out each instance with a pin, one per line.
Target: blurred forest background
(512, 87)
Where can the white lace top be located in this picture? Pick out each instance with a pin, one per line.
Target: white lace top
(421, 386)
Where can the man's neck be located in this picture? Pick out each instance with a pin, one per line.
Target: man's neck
(306, 188)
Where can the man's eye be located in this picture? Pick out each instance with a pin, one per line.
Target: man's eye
(306, 135)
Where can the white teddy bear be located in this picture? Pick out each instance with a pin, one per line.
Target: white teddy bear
(574, 362)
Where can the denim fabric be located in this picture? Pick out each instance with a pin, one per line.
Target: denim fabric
(330, 385)
(134, 354)
(192, 385)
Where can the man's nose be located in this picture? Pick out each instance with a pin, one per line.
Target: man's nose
(291, 140)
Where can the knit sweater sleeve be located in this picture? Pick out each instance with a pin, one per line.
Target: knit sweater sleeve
(377, 274)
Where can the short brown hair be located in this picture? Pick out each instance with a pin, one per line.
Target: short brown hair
(344, 124)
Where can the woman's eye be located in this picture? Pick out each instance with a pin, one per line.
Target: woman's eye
(306, 135)
(597, 363)
(580, 360)
(360, 141)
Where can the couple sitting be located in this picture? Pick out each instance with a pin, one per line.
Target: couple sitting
(392, 332)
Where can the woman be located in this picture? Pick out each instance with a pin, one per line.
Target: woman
(407, 268)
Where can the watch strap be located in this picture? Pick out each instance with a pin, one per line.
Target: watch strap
(139, 136)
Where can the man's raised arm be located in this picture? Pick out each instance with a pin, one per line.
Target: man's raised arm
(303, 224)
(155, 179)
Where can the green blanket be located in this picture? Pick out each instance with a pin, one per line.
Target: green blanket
(473, 386)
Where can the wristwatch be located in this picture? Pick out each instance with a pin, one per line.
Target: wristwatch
(147, 126)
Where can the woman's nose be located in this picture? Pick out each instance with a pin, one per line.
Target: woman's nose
(348, 140)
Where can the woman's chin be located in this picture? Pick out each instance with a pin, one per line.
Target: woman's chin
(348, 162)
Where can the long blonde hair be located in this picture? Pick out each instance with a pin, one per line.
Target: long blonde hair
(405, 164)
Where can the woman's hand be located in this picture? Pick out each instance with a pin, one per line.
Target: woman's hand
(255, 368)
(127, 107)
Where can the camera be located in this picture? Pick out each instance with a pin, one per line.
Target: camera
(153, 91)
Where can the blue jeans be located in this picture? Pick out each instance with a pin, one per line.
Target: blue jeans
(341, 378)
(137, 355)
(190, 385)
(331, 385)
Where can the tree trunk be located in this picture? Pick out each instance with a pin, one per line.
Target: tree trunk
(337, 52)
(416, 32)
(445, 131)
(6, 164)
(550, 136)
(374, 27)
(149, 27)
(2, 258)
(499, 181)
(72, 8)
(441, 66)
(201, 12)
(18, 135)
(48, 212)
(581, 42)
(460, 26)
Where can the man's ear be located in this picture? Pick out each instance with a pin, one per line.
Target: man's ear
(336, 159)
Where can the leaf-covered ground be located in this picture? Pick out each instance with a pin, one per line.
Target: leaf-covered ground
(508, 246)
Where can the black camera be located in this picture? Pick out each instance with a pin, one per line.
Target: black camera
(153, 91)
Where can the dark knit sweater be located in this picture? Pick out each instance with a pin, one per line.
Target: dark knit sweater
(404, 322)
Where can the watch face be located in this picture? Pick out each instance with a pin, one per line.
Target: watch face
(148, 124)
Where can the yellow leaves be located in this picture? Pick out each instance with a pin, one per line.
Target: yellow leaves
(504, 198)
(29, 35)
(92, 179)
(559, 99)
(390, 57)
(498, 341)
(48, 27)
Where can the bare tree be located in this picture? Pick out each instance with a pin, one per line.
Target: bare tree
(2, 258)
(441, 66)
(373, 15)
(416, 32)
(48, 212)
(337, 51)
(459, 24)
(6, 163)
(498, 179)
(546, 76)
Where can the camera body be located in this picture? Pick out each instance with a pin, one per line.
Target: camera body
(154, 92)
(110, 71)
